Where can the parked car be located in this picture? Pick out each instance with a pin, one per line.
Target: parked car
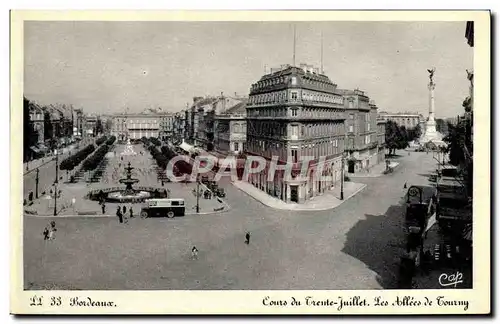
(220, 193)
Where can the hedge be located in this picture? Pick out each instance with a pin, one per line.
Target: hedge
(93, 161)
(111, 140)
(72, 161)
(155, 141)
(100, 140)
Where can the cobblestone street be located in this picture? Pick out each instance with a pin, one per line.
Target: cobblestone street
(354, 246)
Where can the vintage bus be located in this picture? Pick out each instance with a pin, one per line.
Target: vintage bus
(164, 208)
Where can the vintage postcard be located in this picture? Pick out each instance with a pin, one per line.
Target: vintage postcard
(265, 162)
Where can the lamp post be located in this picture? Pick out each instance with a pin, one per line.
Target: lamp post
(197, 193)
(36, 183)
(55, 183)
(342, 179)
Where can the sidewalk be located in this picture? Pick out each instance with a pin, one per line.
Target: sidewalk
(374, 172)
(329, 200)
(34, 164)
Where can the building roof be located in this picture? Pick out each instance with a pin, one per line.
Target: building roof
(239, 108)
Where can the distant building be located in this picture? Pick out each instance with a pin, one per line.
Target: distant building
(179, 126)
(37, 120)
(137, 125)
(90, 125)
(230, 129)
(166, 131)
(407, 119)
(381, 140)
(361, 131)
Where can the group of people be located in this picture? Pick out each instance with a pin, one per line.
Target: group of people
(49, 231)
(121, 213)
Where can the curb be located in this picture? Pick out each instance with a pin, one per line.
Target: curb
(307, 209)
(373, 175)
(41, 165)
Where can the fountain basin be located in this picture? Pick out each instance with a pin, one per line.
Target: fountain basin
(124, 195)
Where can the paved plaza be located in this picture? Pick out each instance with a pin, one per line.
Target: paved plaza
(118, 159)
(357, 245)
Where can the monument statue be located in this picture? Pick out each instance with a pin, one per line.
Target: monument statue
(431, 74)
(430, 134)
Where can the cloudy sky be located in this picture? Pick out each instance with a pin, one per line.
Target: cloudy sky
(107, 66)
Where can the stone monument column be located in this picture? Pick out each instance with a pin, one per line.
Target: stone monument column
(430, 133)
(431, 121)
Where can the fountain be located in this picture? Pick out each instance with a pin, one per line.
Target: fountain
(127, 194)
(128, 181)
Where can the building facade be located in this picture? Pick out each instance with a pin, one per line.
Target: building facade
(179, 126)
(361, 131)
(407, 119)
(231, 129)
(37, 121)
(381, 140)
(166, 131)
(293, 113)
(135, 126)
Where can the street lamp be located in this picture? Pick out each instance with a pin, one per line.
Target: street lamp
(55, 183)
(36, 183)
(342, 179)
(197, 193)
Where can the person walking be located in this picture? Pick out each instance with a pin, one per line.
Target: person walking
(131, 212)
(52, 231)
(46, 233)
(119, 214)
(103, 207)
(404, 187)
(247, 238)
(194, 253)
(124, 210)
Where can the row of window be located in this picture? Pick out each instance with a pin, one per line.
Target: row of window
(322, 97)
(317, 149)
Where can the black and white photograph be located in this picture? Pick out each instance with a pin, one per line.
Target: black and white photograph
(226, 155)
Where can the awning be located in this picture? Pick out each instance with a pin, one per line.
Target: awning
(186, 147)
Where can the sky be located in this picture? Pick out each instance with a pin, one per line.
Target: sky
(105, 67)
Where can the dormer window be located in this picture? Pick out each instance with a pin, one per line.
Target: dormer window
(294, 80)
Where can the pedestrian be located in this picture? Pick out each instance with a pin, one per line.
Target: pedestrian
(404, 187)
(124, 210)
(46, 233)
(52, 231)
(247, 238)
(103, 207)
(131, 212)
(119, 214)
(194, 253)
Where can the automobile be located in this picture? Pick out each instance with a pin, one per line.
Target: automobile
(163, 207)
(220, 193)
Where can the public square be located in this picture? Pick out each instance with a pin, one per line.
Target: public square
(144, 170)
(357, 245)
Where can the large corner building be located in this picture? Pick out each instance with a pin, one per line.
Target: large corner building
(294, 112)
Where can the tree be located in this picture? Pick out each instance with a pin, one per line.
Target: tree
(414, 133)
(396, 137)
(48, 129)
(98, 127)
(29, 133)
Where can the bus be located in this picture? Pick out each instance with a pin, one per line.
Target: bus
(164, 208)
